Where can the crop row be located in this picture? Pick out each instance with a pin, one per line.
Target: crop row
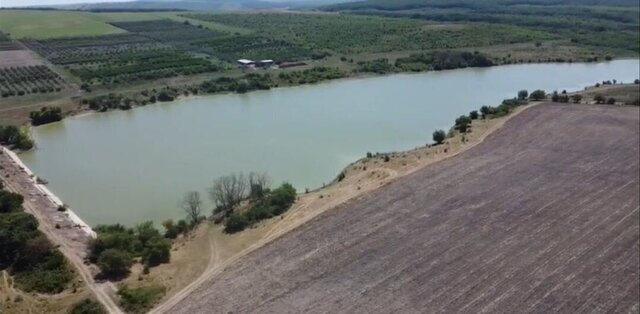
(29, 79)
(156, 64)
(255, 47)
(168, 30)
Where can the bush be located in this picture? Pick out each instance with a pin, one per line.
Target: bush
(611, 101)
(463, 123)
(156, 252)
(46, 115)
(538, 95)
(272, 204)
(523, 94)
(87, 306)
(599, 99)
(439, 136)
(235, 223)
(139, 300)
(114, 263)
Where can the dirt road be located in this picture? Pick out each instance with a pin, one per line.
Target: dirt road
(71, 240)
(541, 217)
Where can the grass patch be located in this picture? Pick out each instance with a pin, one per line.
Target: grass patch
(139, 300)
(49, 24)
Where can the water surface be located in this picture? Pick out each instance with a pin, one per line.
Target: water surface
(130, 166)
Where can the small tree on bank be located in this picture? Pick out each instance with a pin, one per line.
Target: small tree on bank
(538, 95)
(191, 204)
(523, 94)
(439, 136)
(227, 192)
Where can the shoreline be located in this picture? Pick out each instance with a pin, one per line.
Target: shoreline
(83, 110)
(75, 219)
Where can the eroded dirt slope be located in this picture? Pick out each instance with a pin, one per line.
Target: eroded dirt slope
(541, 217)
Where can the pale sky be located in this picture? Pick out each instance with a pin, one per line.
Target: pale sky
(16, 3)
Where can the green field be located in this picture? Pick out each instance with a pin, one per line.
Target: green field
(49, 24)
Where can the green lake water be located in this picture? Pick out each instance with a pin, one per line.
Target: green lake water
(131, 166)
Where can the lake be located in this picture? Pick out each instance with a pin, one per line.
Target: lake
(132, 166)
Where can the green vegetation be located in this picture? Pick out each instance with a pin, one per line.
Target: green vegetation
(120, 58)
(47, 24)
(538, 95)
(87, 306)
(365, 34)
(463, 123)
(439, 136)
(139, 300)
(23, 80)
(15, 138)
(26, 253)
(272, 204)
(166, 30)
(583, 22)
(116, 246)
(443, 60)
(46, 115)
(256, 48)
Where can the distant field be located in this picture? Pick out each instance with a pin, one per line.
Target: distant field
(48, 24)
(365, 34)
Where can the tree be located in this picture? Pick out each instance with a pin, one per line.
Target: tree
(485, 110)
(227, 192)
(473, 115)
(191, 204)
(523, 94)
(576, 98)
(538, 95)
(114, 263)
(463, 123)
(258, 185)
(439, 136)
(555, 97)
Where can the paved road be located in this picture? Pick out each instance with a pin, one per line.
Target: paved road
(542, 217)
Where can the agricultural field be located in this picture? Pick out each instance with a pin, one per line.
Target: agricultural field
(48, 24)
(20, 81)
(613, 25)
(361, 34)
(540, 217)
(119, 58)
(168, 31)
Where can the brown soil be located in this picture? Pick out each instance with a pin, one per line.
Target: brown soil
(17, 58)
(187, 269)
(541, 217)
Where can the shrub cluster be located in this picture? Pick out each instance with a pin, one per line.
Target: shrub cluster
(116, 246)
(139, 300)
(87, 306)
(46, 115)
(26, 253)
(443, 60)
(272, 204)
(15, 138)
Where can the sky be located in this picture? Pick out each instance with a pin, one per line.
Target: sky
(16, 3)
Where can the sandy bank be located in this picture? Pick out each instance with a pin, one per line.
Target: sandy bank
(73, 217)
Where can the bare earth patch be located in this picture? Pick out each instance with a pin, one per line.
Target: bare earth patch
(541, 217)
(17, 58)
